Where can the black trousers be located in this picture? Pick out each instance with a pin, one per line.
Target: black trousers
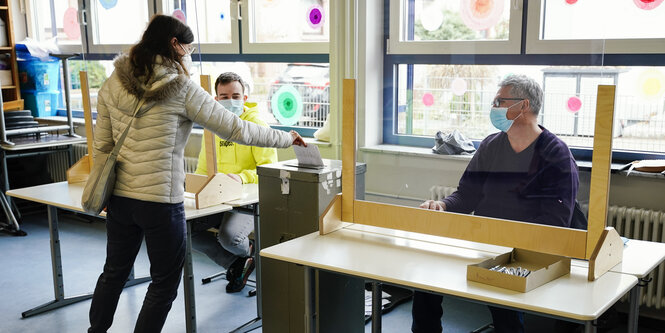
(164, 228)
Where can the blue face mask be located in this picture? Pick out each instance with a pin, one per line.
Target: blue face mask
(499, 119)
(233, 105)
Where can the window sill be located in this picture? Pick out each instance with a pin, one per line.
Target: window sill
(413, 151)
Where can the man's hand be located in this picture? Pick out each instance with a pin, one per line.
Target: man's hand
(297, 139)
(235, 177)
(433, 205)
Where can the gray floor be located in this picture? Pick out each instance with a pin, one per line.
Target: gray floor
(26, 282)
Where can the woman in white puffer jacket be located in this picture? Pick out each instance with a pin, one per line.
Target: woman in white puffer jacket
(149, 191)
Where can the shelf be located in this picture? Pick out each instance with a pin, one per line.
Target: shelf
(4, 7)
(9, 87)
(6, 48)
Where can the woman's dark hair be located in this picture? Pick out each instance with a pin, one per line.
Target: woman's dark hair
(156, 40)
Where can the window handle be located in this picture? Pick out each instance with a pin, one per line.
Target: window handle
(82, 17)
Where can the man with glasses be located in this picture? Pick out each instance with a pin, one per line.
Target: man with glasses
(522, 173)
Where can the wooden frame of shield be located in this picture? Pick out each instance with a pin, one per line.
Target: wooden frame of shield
(601, 245)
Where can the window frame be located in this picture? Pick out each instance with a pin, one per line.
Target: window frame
(208, 52)
(569, 46)
(87, 30)
(419, 55)
(396, 45)
(33, 31)
(215, 48)
(249, 46)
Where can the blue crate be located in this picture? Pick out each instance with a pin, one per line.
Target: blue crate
(41, 103)
(38, 75)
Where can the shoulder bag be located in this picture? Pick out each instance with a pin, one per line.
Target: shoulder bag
(100, 184)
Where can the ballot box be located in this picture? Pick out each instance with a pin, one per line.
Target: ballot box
(291, 198)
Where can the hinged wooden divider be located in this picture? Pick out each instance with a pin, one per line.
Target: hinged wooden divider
(604, 246)
(603, 252)
(341, 207)
(80, 171)
(214, 188)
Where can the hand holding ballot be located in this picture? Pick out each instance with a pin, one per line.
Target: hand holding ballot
(297, 139)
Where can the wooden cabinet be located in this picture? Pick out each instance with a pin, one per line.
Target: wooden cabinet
(11, 95)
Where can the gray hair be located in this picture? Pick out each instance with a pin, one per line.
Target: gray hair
(522, 86)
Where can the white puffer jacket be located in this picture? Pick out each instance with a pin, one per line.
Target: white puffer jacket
(150, 165)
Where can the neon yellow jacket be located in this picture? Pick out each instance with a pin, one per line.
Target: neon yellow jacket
(239, 159)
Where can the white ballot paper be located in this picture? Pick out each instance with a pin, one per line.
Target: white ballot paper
(308, 157)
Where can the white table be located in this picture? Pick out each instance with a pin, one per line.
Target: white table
(68, 196)
(640, 258)
(435, 265)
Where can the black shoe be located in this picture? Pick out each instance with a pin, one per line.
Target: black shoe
(237, 283)
(238, 265)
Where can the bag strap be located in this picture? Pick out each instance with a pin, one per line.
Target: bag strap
(121, 140)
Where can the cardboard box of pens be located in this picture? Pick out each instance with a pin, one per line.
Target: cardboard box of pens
(519, 270)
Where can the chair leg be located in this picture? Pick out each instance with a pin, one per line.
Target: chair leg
(209, 279)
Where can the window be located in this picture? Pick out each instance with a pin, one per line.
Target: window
(105, 32)
(286, 94)
(466, 27)
(454, 89)
(57, 19)
(292, 26)
(288, 64)
(213, 22)
(596, 26)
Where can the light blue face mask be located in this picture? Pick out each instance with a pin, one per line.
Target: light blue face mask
(233, 105)
(499, 119)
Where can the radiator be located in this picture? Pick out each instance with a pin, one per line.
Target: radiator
(190, 164)
(438, 192)
(58, 163)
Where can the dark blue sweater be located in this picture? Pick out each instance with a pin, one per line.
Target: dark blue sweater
(537, 185)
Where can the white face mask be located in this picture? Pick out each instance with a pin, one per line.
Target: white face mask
(187, 63)
(233, 105)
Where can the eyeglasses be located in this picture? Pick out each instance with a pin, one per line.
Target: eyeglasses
(500, 100)
(189, 48)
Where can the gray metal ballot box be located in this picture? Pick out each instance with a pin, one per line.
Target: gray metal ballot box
(291, 200)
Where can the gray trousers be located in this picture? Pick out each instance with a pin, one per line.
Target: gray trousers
(231, 242)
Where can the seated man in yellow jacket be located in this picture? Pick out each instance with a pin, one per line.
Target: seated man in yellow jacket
(232, 248)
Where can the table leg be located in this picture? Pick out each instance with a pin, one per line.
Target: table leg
(634, 306)
(589, 326)
(256, 322)
(12, 225)
(257, 260)
(376, 307)
(58, 284)
(188, 280)
(310, 299)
